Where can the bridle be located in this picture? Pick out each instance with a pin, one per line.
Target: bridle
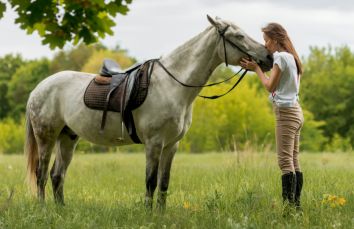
(222, 34)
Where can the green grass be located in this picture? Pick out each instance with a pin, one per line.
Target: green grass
(206, 191)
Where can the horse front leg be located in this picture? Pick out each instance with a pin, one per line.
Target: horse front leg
(166, 159)
(153, 152)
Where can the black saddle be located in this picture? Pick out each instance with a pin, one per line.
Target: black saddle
(110, 68)
(119, 91)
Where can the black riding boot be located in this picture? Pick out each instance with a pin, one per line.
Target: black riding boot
(299, 183)
(289, 187)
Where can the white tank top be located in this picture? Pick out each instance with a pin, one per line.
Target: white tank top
(286, 93)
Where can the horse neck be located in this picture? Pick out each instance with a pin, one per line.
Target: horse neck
(193, 62)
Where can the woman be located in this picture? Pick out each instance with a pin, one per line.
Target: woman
(283, 84)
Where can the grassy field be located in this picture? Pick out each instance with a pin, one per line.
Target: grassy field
(206, 191)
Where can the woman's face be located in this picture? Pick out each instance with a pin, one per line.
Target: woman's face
(271, 45)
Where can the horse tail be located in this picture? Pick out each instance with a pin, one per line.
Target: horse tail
(31, 150)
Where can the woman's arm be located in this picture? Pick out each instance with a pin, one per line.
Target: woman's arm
(271, 82)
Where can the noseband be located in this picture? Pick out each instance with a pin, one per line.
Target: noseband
(222, 34)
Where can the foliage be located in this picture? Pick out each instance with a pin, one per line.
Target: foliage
(212, 190)
(23, 82)
(2, 9)
(94, 63)
(241, 120)
(61, 21)
(73, 59)
(88, 147)
(312, 138)
(327, 90)
(339, 144)
(11, 136)
(8, 66)
(246, 119)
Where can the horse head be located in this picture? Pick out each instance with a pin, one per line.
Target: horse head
(238, 45)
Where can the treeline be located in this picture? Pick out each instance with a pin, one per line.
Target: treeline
(242, 120)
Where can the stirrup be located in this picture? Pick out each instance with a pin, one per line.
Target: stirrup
(122, 137)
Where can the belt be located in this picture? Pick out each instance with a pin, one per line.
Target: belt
(290, 104)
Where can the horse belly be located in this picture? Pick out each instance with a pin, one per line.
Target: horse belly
(87, 125)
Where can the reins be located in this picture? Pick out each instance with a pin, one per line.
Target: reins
(206, 85)
(222, 34)
(187, 85)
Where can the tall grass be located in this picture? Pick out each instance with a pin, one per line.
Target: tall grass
(212, 190)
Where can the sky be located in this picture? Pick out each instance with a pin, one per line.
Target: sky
(154, 28)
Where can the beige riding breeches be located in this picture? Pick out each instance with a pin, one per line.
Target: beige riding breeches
(289, 121)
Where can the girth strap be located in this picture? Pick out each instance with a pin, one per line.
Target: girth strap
(117, 80)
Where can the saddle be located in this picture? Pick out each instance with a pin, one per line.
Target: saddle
(119, 91)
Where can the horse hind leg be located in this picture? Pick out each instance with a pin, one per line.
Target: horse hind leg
(66, 144)
(45, 147)
(40, 139)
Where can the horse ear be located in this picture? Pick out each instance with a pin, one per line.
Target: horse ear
(211, 20)
(215, 22)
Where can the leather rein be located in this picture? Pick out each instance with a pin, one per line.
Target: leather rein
(222, 34)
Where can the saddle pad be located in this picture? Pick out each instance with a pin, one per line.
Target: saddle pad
(96, 94)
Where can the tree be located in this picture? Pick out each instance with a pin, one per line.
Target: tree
(327, 90)
(94, 63)
(8, 66)
(11, 136)
(23, 82)
(61, 21)
(236, 121)
(73, 59)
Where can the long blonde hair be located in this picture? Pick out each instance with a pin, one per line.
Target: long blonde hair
(277, 32)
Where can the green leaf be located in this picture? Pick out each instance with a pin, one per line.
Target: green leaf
(29, 30)
(101, 34)
(87, 35)
(112, 9)
(53, 41)
(40, 27)
(83, 19)
(123, 9)
(100, 3)
(2, 9)
(76, 40)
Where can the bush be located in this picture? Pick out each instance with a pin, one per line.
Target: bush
(12, 136)
(339, 144)
(24, 80)
(241, 119)
(312, 138)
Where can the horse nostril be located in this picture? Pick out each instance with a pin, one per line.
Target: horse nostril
(270, 57)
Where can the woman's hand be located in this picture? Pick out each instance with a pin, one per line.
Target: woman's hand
(249, 64)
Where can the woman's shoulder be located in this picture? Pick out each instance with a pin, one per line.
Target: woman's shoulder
(283, 59)
(283, 54)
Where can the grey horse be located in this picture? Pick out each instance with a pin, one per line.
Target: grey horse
(56, 113)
